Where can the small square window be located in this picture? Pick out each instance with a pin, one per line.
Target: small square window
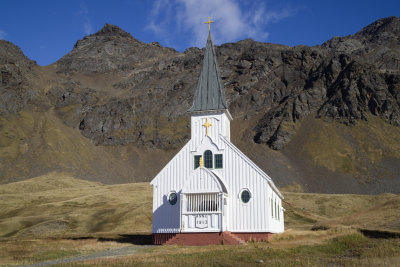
(218, 161)
(197, 161)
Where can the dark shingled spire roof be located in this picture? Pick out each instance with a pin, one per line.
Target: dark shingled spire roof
(209, 93)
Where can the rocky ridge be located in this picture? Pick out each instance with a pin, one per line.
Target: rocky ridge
(117, 90)
(290, 83)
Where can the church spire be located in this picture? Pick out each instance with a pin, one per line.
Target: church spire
(209, 93)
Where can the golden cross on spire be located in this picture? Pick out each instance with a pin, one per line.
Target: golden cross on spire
(209, 23)
(207, 124)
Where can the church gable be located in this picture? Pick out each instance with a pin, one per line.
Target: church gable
(204, 180)
(179, 163)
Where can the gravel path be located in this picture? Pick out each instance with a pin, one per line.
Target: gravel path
(118, 252)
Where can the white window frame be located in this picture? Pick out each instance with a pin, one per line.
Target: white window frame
(240, 196)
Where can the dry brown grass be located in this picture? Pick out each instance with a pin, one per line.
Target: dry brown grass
(46, 218)
(59, 205)
(344, 249)
(374, 211)
(34, 250)
(383, 216)
(356, 149)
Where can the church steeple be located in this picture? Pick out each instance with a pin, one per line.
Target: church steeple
(209, 93)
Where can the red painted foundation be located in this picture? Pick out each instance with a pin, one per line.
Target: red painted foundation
(203, 239)
(161, 239)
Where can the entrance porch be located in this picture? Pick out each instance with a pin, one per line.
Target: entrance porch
(203, 212)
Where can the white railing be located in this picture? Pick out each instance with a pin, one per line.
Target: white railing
(207, 202)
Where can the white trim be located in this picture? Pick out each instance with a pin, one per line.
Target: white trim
(206, 230)
(240, 196)
(212, 112)
(167, 231)
(199, 192)
(169, 194)
(255, 231)
(201, 212)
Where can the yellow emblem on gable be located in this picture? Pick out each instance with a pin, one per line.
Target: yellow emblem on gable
(207, 124)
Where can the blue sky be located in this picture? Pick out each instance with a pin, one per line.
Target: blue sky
(46, 30)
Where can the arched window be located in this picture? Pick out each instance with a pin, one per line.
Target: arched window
(208, 159)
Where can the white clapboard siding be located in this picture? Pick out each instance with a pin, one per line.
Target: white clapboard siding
(202, 180)
(166, 217)
(220, 126)
(238, 173)
(241, 173)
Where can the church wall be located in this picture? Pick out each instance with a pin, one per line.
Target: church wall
(166, 217)
(239, 174)
(276, 222)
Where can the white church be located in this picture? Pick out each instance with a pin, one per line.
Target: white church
(210, 192)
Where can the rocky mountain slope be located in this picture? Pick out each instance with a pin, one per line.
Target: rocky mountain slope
(321, 119)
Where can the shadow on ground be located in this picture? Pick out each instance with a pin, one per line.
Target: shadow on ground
(134, 239)
(379, 233)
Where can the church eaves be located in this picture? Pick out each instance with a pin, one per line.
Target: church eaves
(209, 93)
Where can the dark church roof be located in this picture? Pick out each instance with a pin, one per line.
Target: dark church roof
(209, 93)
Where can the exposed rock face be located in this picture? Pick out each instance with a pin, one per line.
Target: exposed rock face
(345, 79)
(117, 90)
(286, 84)
(362, 90)
(109, 50)
(16, 78)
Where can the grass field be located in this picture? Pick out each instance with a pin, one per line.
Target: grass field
(57, 216)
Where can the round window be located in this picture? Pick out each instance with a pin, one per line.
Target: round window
(172, 198)
(245, 196)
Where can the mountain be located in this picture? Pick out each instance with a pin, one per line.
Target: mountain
(319, 119)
